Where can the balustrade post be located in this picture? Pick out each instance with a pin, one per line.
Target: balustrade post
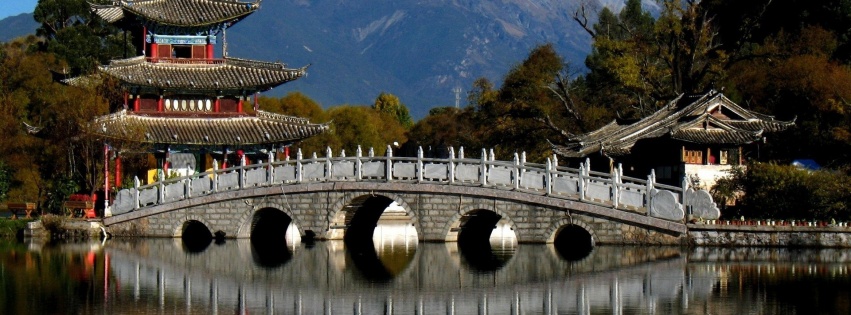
(516, 179)
(461, 153)
(299, 168)
(484, 168)
(161, 187)
(136, 194)
(371, 152)
(548, 177)
(187, 188)
(389, 165)
(420, 164)
(582, 181)
(616, 181)
(555, 161)
(328, 167)
(451, 165)
(522, 170)
(270, 169)
(215, 176)
(359, 164)
(242, 173)
(649, 192)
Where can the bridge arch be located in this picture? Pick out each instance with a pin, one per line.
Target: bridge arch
(246, 220)
(337, 214)
(572, 239)
(194, 234)
(453, 228)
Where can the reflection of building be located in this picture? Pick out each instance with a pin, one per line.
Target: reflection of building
(694, 136)
(190, 106)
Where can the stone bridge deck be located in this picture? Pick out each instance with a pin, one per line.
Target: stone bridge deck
(613, 197)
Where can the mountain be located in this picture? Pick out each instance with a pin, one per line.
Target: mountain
(17, 26)
(417, 50)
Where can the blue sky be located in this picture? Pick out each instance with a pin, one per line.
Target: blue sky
(15, 7)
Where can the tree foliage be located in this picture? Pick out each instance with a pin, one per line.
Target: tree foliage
(391, 105)
(74, 33)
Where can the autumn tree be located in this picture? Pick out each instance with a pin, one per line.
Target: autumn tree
(391, 105)
(638, 63)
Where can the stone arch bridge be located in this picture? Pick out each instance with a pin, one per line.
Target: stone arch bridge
(333, 197)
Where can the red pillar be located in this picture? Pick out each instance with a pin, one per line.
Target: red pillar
(118, 171)
(136, 103)
(216, 106)
(144, 41)
(125, 100)
(209, 51)
(256, 106)
(239, 106)
(225, 158)
(154, 51)
(105, 175)
(160, 104)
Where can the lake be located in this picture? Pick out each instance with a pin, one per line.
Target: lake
(398, 275)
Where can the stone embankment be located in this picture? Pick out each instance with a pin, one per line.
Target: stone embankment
(782, 234)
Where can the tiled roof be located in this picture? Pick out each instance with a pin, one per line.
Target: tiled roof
(260, 128)
(182, 13)
(227, 73)
(687, 118)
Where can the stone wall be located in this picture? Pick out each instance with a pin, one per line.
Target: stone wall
(785, 236)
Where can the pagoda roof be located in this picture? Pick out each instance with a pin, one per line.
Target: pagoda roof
(202, 74)
(179, 13)
(203, 130)
(709, 118)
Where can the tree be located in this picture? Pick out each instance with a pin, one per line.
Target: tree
(391, 105)
(638, 63)
(76, 35)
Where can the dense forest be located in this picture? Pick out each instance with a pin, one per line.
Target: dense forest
(787, 58)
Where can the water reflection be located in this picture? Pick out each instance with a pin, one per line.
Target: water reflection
(158, 276)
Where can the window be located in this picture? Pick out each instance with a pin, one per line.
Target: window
(693, 156)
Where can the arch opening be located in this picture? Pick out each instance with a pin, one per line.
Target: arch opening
(486, 241)
(196, 236)
(379, 238)
(573, 242)
(272, 234)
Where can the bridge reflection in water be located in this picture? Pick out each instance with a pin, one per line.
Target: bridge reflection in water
(402, 277)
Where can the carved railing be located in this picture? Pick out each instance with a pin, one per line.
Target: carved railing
(611, 190)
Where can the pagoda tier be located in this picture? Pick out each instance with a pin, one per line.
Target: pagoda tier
(176, 74)
(261, 128)
(161, 15)
(710, 119)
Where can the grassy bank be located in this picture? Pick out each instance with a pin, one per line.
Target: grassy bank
(9, 228)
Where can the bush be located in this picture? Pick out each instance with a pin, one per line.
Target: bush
(787, 192)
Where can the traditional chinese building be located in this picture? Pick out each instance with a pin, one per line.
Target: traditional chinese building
(697, 137)
(191, 107)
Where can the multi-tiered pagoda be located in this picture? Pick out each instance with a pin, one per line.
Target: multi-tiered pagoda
(190, 106)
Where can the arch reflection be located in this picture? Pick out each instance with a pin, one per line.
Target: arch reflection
(391, 246)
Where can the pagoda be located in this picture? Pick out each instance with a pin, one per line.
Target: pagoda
(695, 137)
(191, 108)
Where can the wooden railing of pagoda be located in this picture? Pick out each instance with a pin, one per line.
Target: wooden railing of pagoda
(186, 61)
(610, 190)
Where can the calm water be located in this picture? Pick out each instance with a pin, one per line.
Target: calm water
(400, 276)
